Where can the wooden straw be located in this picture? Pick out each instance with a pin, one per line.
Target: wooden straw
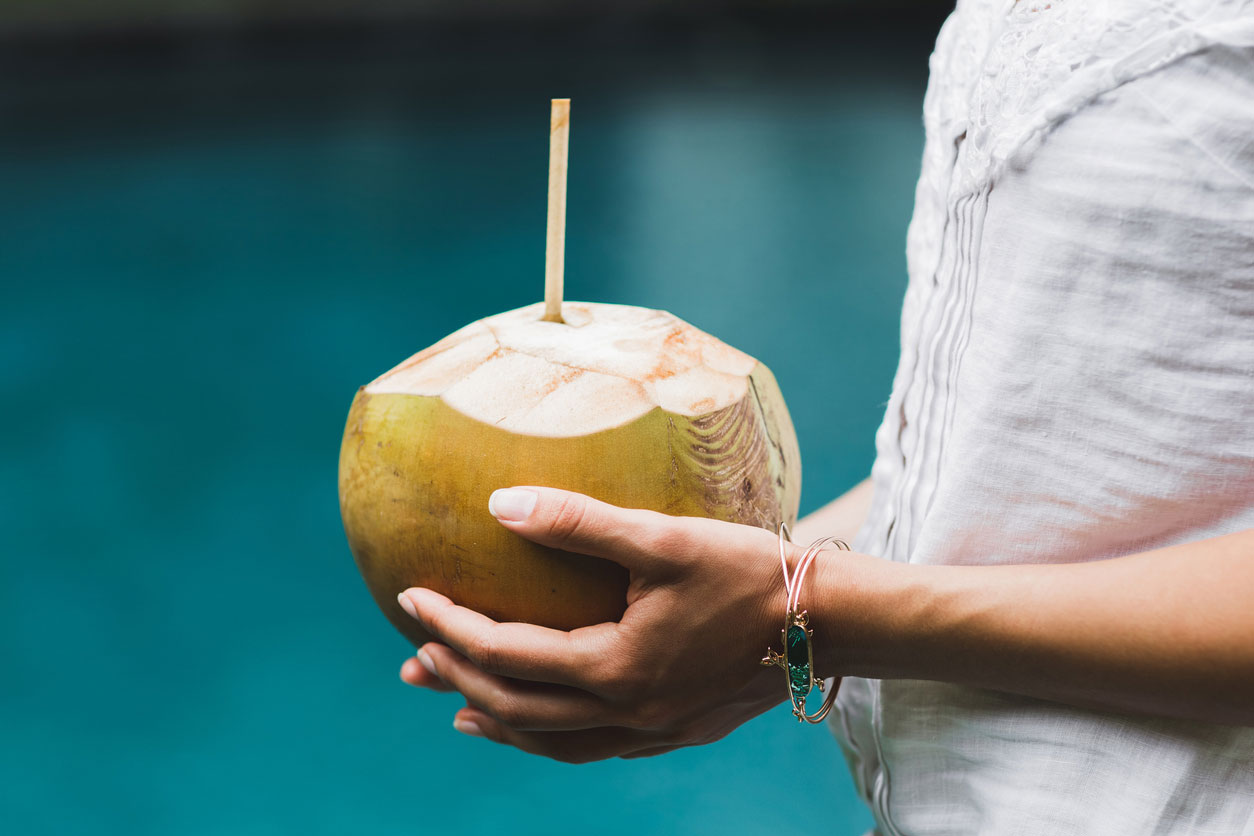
(555, 251)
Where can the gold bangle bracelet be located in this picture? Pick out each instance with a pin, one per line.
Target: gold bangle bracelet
(797, 660)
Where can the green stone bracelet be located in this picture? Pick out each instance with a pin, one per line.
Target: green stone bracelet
(797, 660)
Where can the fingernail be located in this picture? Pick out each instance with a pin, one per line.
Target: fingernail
(467, 727)
(426, 662)
(407, 605)
(512, 504)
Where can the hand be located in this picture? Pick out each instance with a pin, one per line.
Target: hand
(680, 669)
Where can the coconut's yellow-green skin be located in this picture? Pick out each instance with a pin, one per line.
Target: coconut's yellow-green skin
(416, 474)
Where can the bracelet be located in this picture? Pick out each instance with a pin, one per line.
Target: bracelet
(797, 660)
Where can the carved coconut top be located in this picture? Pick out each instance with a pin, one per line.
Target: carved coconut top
(605, 366)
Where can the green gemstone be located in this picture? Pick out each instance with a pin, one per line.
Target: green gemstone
(797, 651)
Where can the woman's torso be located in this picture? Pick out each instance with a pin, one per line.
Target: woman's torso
(1076, 383)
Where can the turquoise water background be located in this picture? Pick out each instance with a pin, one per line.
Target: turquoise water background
(203, 258)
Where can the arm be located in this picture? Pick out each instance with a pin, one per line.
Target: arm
(842, 517)
(1167, 632)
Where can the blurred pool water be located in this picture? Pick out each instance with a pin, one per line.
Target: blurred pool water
(200, 268)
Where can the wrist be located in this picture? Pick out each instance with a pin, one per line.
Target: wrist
(865, 614)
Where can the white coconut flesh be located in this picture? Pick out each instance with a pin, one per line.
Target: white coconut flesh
(604, 366)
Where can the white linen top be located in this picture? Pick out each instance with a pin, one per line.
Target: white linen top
(1076, 383)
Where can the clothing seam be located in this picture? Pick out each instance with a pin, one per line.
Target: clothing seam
(1151, 105)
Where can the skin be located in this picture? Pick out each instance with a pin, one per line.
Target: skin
(1168, 632)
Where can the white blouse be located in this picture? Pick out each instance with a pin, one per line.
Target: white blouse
(1076, 383)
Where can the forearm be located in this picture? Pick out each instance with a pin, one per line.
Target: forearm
(842, 517)
(1168, 632)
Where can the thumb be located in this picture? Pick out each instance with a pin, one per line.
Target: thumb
(577, 523)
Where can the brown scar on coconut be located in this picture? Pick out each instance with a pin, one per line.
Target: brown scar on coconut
(629, 405)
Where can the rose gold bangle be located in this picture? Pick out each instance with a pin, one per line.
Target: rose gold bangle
(797, 660)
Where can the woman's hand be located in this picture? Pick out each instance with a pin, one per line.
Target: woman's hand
(681, 668)
(1167, 632)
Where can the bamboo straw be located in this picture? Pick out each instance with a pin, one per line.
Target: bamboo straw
(555, 250)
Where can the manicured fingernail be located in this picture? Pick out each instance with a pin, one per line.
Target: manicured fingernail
(512, 504)
(407, 605)
(426, 662)
(467, 727)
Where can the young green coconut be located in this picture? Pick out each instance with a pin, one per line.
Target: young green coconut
(629, 405)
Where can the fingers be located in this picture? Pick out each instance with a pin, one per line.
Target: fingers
(414, 673)
(649, 753)
(515, 650)
(569, 746)
(577, 523)
(523, 706)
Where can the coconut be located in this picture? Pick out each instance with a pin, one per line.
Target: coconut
(632, 406)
